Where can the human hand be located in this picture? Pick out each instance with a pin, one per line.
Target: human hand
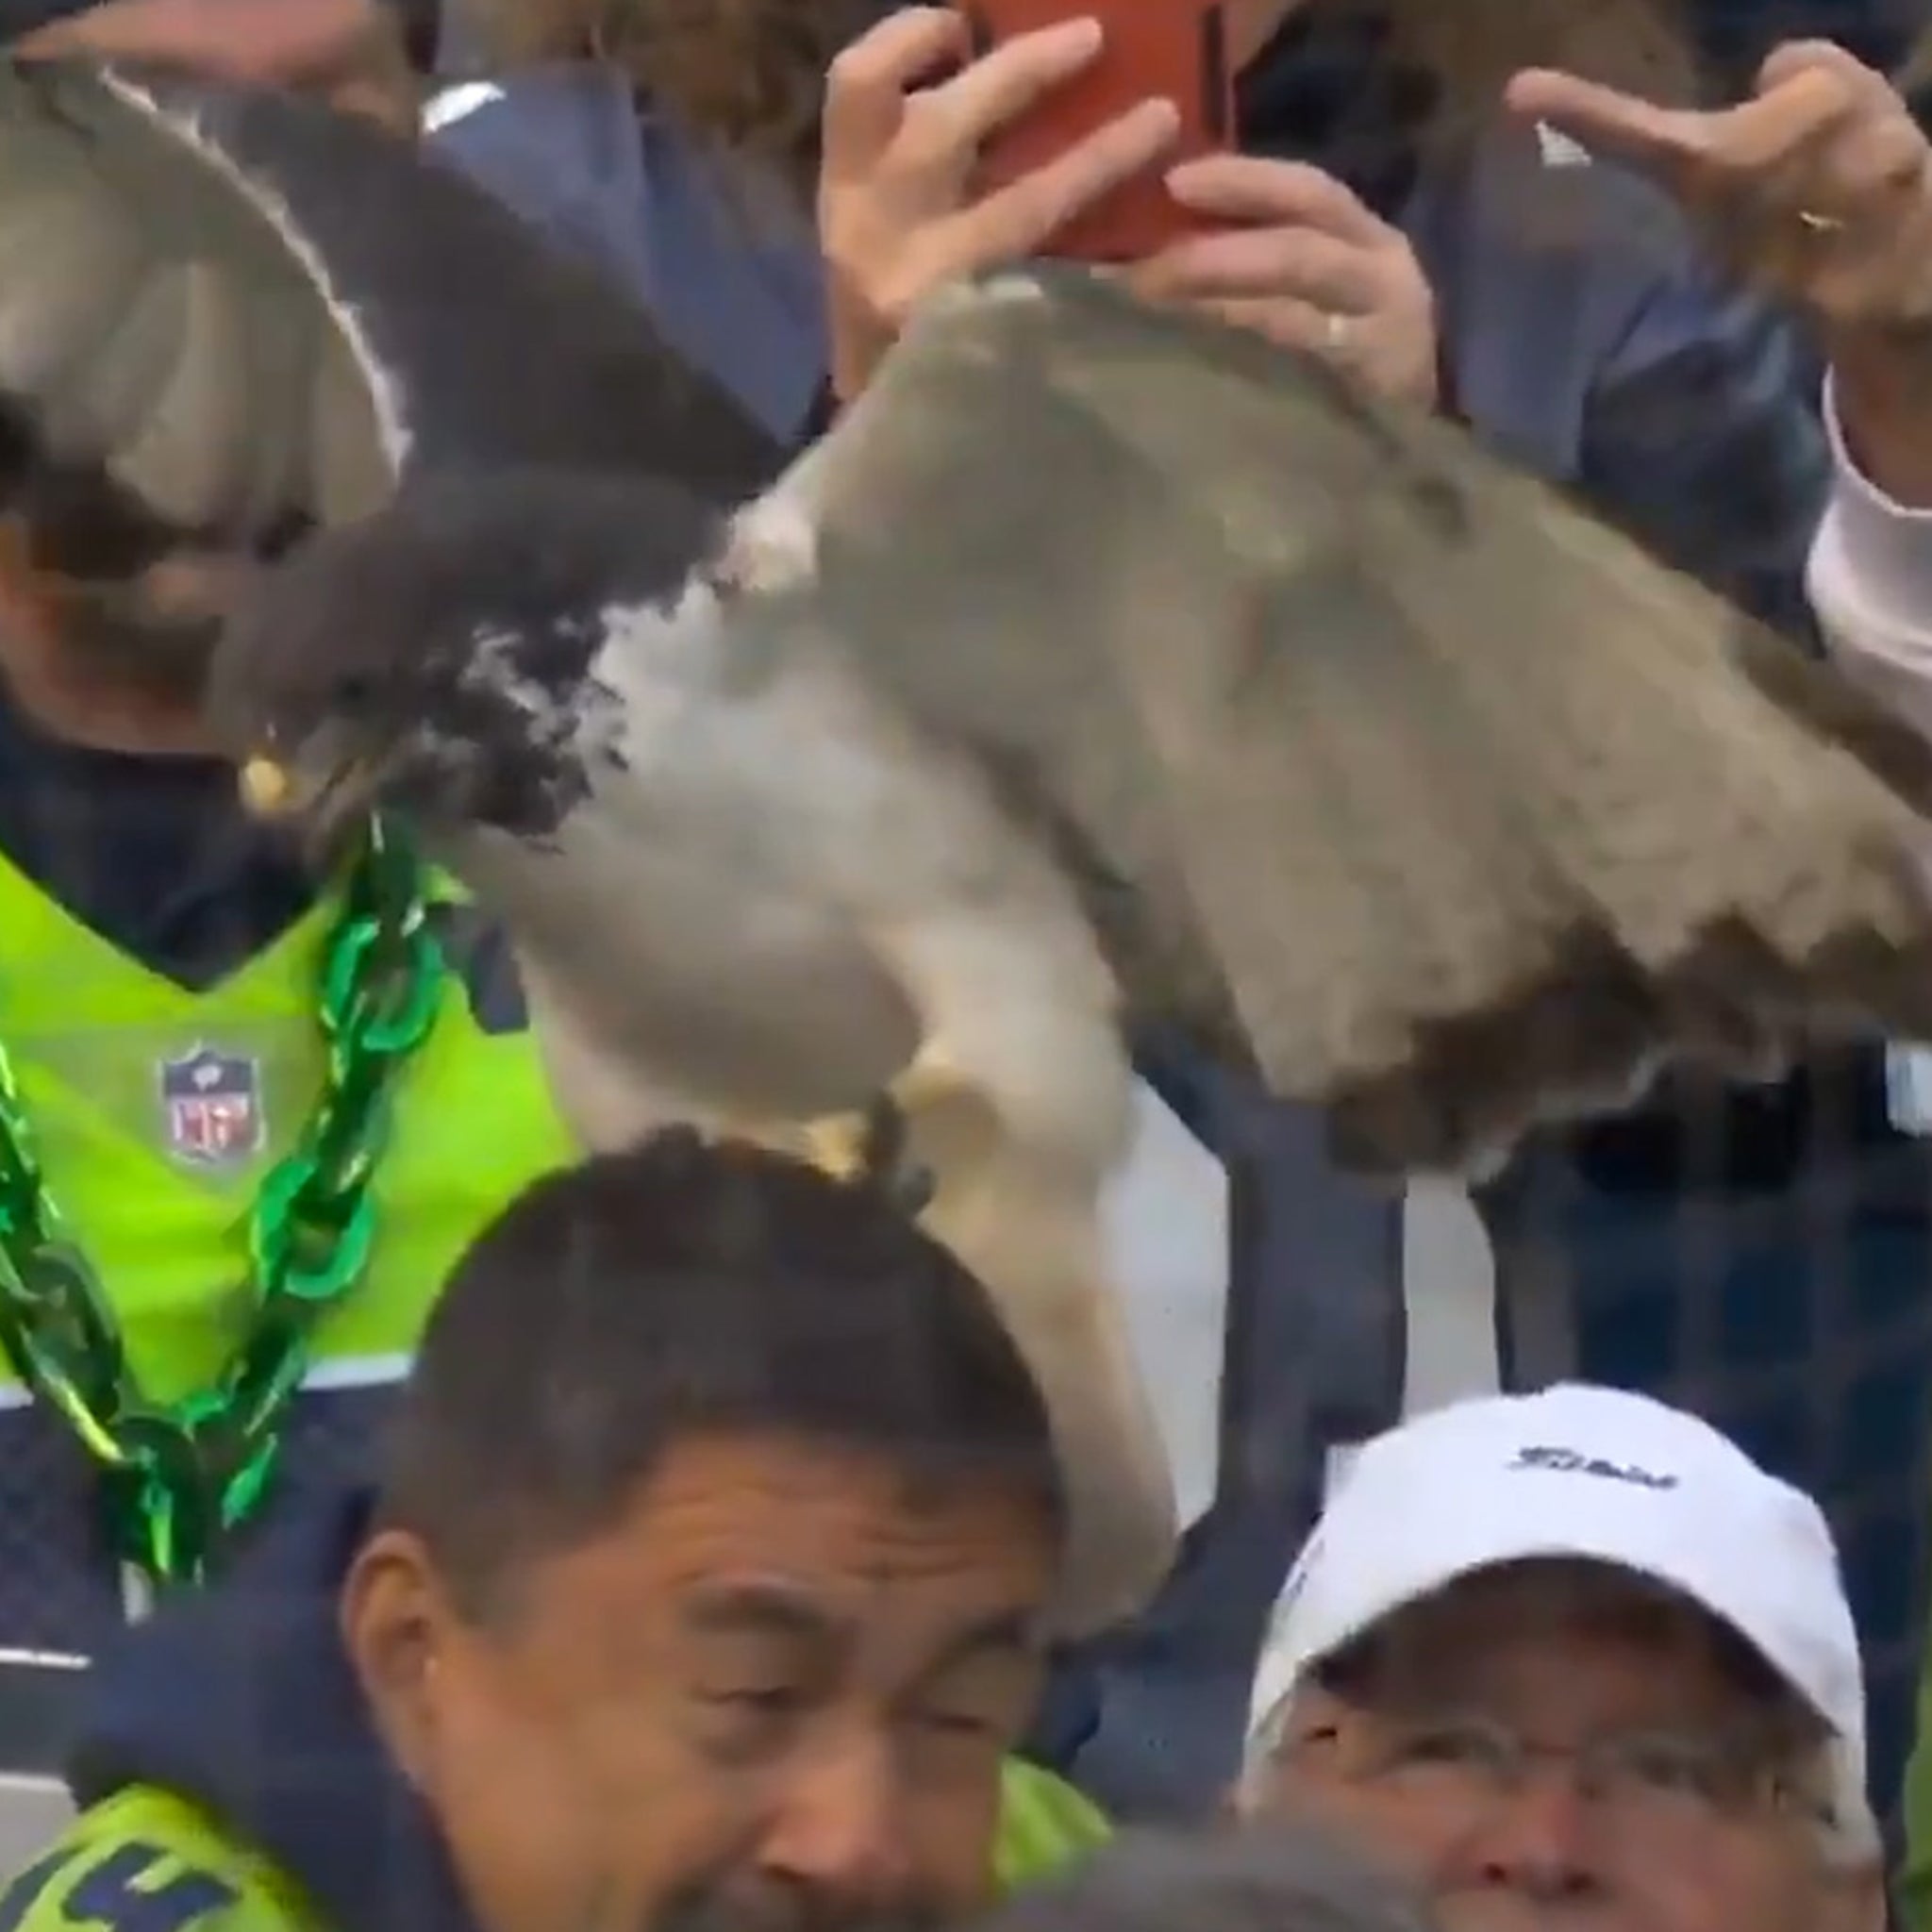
(1302, 260)
(283, 42)
(1818, 189)
(897, 217)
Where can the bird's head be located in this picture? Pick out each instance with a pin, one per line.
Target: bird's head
(435, 659)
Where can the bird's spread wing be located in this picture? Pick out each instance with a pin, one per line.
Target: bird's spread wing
(234, 313)
(1463, 811)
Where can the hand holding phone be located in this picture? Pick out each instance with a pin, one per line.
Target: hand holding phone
(1172, 50)
(902, 208)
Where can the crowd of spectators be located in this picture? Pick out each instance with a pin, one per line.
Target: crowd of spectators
(655, 1613)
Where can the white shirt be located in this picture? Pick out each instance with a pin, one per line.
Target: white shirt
(1870, 584)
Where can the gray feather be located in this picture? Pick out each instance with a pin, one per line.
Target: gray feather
(195, 457)
(106, 405)
(251, 312)
(347, 473)
(66, 276)
(1473, 812)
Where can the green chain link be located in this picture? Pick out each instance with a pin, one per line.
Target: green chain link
(181, 1477)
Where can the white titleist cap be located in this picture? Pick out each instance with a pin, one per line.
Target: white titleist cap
(1575, 1472)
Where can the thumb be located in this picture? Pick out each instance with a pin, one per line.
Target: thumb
(1617, 126)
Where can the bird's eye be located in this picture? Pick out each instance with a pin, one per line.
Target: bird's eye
(355, 693)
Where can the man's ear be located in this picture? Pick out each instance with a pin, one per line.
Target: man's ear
(29, 599)
(397, 1625)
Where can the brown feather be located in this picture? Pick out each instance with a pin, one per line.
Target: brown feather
(1477, 813)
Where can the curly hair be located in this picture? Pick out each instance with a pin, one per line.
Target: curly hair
(750, 73)
(1474, 46)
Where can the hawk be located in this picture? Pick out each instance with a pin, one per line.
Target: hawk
(1105, 667)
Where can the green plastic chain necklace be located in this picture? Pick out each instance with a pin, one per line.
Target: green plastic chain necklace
(181, 1477)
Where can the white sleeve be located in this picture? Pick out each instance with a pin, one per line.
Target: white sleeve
(1870, 584)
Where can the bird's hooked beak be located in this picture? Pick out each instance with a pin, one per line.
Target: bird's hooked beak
(268, 788)
(323, 810)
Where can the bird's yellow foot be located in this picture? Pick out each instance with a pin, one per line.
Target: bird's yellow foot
(839, 1146)
(868, 1150)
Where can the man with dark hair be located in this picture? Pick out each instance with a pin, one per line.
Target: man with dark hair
(172, 977)
(702, 1590)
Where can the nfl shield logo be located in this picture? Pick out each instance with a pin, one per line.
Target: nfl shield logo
(211, 1102)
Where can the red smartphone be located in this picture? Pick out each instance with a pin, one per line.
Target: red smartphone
(1169, 49)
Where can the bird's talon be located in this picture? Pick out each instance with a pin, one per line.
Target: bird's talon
(929, 1081)
(870, 1151)
(841, 1148)
(911, 1189)
(907, 1185)
(882, 1145)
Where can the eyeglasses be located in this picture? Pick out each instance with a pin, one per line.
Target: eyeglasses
(1659, 1783)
